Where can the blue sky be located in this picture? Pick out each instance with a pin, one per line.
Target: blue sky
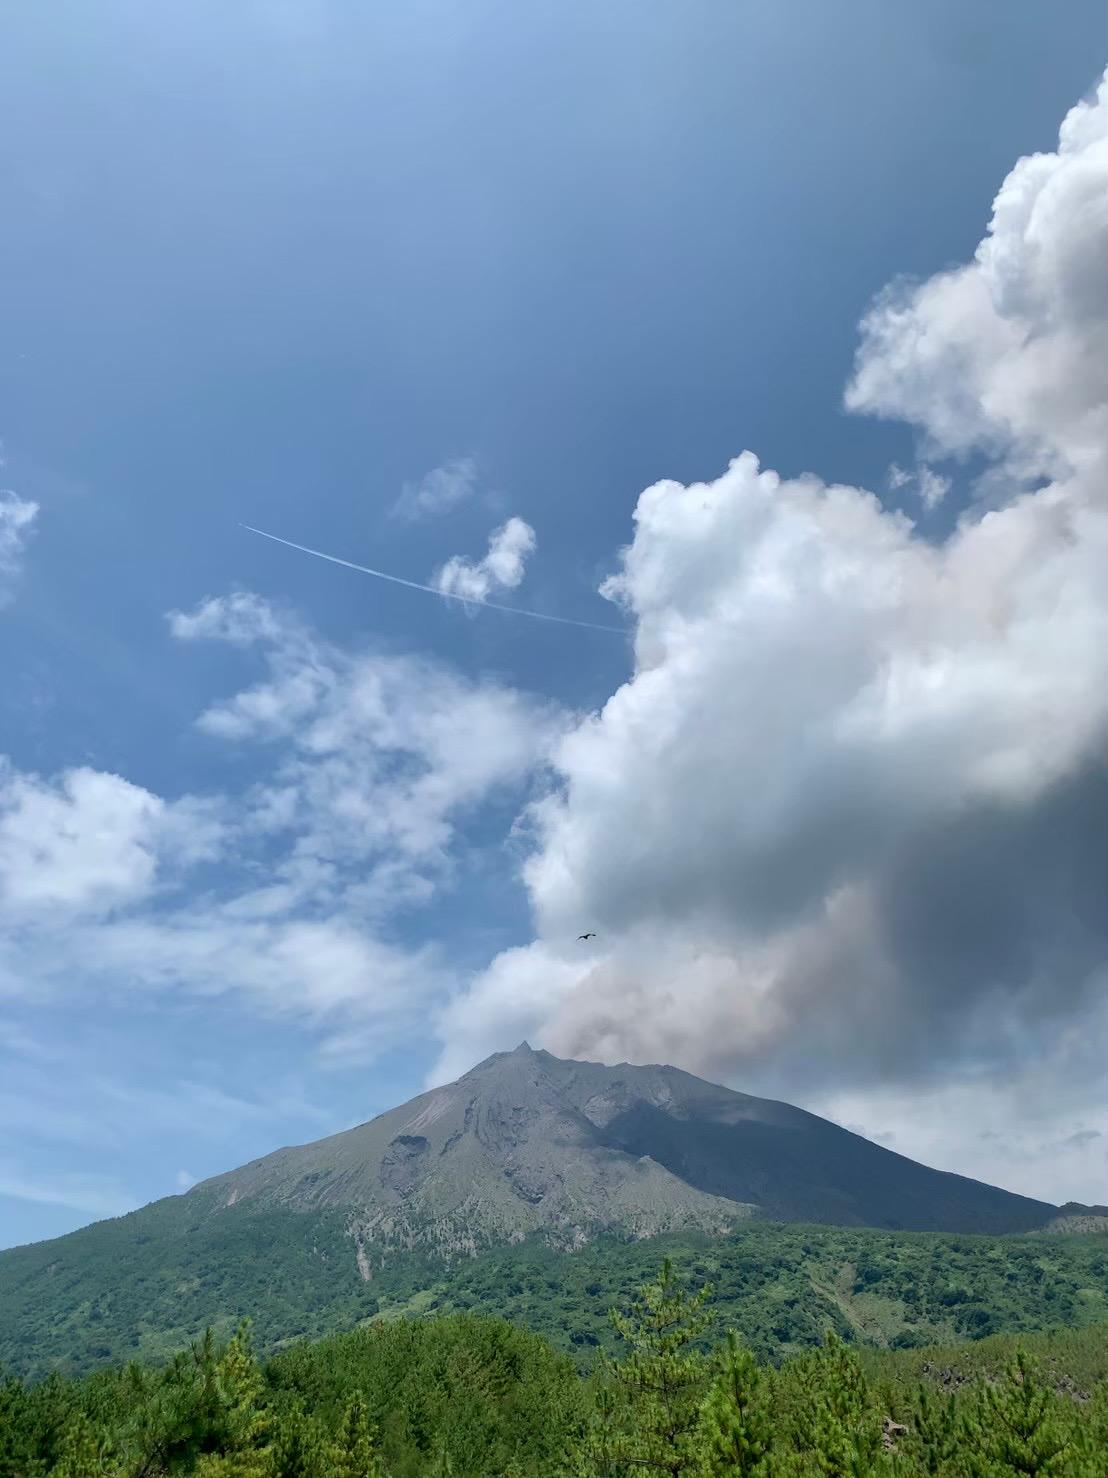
(276, 264)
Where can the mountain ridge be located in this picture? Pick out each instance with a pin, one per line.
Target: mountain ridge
(526, 1143)
(497, 1155)
(524, 1150)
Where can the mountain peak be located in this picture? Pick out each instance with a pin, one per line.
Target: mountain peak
(527, 1143)
(523, 1145)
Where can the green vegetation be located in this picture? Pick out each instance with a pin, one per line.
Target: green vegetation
(476, 1397)
(124, 1290)
(463, 1395)
(146, 1284)
(1076, 1358)
(782, 1287)
(470, 1197)
(648, 1409)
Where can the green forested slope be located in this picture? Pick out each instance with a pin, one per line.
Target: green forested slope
(143, 1285)
(448, 1200)
(476, 1397)
(782, 1287)
(128, 1289)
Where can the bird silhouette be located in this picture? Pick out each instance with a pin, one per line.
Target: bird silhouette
(586, 936)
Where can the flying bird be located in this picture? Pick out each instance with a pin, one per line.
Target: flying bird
(586, 936)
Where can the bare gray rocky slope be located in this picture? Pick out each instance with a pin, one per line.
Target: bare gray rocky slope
(528, 1143)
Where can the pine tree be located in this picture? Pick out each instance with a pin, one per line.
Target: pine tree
(1023, 1426)
(935, 1429)
(651, 1422)
(1091, 1457)
(736, 1427)
(81, 1456)
(206, 1405)
(18, 1459)
(837, 1429)
(355, 1455)
(298, 1449)
(243, 1418)
(233, 1465)
(596, 1455)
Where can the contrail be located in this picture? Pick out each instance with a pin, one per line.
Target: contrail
(466, 600)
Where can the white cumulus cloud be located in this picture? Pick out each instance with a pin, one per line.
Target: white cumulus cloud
(89, 841)
(1009, 354)
(844, 823)
(281, 892)
(377, 755)
(240, 619)
(501, 569)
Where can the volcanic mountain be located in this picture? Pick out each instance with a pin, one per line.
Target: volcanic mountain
(526, 1142)
(524, 1146)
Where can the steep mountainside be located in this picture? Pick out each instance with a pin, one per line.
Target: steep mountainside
(525, 1147)
(145, 1285)
(526, 1142)
(501, 1153)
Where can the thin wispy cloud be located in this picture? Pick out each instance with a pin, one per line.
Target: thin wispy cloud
(469, 600)
(365, 769)
(439, 491)
(17, 517)
(928, 486)
(932, 487)
(95, 1195)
